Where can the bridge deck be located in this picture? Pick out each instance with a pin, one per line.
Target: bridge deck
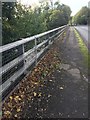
(56, 88)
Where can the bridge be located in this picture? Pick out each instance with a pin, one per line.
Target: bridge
(69, 76)
(18, 56)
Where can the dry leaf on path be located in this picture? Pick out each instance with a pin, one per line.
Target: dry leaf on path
(35, 94)
(61, 88)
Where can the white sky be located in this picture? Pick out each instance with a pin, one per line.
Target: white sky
(75, 5)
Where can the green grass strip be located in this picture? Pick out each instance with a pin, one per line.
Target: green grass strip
(83, 48)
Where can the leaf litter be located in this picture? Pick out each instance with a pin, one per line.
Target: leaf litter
(26, 91)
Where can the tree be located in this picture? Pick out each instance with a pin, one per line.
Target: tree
(81, 16)
(56, 19)
(8, 21)
(20, 21)
(70, 21)
(60, 15)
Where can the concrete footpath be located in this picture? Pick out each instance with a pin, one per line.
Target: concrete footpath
(64, 94)
(68, 89)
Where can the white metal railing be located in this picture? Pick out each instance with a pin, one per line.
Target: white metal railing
(19, 55)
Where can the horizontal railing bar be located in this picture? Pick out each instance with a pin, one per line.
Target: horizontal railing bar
(13, 78)
(39, 45)
(15, 44)
(45, 33)
(11, 64)
(28, 57)
(23, 41)
(6, 84)
(14, 62)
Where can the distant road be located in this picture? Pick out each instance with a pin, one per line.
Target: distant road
(84, 32)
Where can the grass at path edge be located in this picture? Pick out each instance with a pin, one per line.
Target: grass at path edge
(83, 48)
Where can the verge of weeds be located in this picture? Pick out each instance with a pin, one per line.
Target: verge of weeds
(83, 48)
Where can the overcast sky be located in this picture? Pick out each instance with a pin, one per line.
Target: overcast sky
(75, 5)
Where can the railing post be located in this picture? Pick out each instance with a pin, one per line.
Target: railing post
(24, 61)
(49, 40)
(35, 50)
(23, 48)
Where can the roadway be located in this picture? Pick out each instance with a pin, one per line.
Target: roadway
(83, 31)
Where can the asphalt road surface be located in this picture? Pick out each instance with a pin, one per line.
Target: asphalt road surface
(84, 32)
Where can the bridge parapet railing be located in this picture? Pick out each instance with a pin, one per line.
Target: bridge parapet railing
(18, 56)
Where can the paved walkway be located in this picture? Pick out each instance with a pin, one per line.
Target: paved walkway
(65, 95)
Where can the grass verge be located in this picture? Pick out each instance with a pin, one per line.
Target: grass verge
(83, 48)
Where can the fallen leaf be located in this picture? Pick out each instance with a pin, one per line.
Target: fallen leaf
(39, 94)
(50, 80)
(49, 95)
(18, 110)
(19, 99)
(15, 115)
(22, 96)
(11, 97)
(9, 104)
(16, 98)
(61, 88)
(36, 70)
(34, 94)
(7, 113)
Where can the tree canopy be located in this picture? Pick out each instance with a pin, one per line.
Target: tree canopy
(81, 16)
(20, 21)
